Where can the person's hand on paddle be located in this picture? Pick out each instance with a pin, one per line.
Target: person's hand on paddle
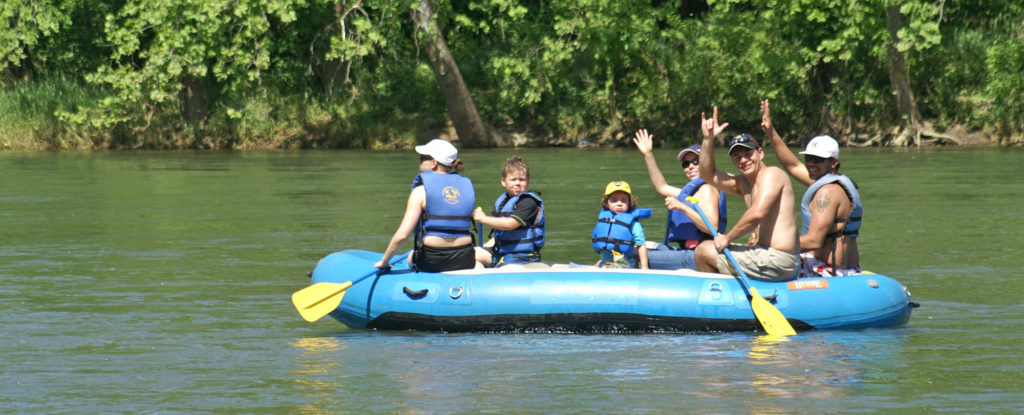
(710, 126)
(382, 265)
(674, 204)
(644, 141)
(721, 242)
(478, 213)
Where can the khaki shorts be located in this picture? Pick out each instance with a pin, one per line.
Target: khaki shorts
(760, 263)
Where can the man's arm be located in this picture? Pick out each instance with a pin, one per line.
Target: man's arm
(710, 128)
(646, 146)
(764, 197)
(824, 209)
(789, 160)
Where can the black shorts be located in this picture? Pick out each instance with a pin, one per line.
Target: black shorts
(430, 259)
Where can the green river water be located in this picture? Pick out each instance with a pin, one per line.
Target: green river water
(160, 282)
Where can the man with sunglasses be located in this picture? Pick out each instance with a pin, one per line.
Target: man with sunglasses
(684, 227)
(772, 252)
(831, 208)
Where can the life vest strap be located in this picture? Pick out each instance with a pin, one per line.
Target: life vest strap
(450, 230)
(429, 216)
(614, 241)
(515, 242)
(614, 221)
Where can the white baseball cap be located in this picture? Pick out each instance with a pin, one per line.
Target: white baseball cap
(440, 150)
(822, 146)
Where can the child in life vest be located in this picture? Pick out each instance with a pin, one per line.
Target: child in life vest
(618, 235)
(517, 221)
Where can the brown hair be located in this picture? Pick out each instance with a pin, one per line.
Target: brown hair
(633, 201)
(515, 163)
(457, 165)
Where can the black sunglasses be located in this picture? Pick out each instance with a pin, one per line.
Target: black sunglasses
(693, 162)
(424, 157)
(815, 159)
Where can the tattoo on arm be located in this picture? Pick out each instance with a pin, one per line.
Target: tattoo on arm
(822, 202)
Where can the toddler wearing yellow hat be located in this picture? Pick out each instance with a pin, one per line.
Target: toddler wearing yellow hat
(618, 235)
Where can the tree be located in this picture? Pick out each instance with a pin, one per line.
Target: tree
(28, 23)
(470, 128)
(175, 51)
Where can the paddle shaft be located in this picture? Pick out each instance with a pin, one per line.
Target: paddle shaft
(773, 321)
(394, 260)
(714, 232)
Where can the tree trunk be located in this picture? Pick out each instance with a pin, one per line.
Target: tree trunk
(328, 70)
(196, 109)
(461, 109)
(899, 79)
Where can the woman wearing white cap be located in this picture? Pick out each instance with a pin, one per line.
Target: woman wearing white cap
(439, 211)
(831, 206)
(684, 226)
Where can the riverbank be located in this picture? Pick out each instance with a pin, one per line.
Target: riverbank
(42, 116)
(46, 137)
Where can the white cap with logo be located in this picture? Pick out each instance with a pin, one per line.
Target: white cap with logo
(822, 146)
(440, 150)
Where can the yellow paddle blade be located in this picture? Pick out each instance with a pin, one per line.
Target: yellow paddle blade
(319, 299)
(770, 317)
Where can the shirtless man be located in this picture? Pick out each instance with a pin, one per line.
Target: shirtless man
(768, 194)
(831, 206)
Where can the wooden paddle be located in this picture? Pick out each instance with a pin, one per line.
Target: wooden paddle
(774, 323)
(320, 299)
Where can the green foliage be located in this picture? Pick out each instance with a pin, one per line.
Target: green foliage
(971, 79)
(28, 120)
(1005, 64)
(318, 73)
(28, 24)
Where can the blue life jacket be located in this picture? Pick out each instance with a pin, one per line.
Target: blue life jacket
(852, 227)
(522, 240)
(679, 228)
(449, 206)
(613, 231)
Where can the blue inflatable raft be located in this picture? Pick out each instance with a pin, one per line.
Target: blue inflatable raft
(580, 299)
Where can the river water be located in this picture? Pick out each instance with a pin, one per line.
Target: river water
(160, 282)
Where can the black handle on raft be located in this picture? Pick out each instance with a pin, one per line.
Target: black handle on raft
(415, 295)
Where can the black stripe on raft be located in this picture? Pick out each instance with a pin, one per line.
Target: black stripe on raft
(566, 323)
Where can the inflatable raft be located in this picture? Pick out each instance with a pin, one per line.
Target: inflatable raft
(583, 299)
